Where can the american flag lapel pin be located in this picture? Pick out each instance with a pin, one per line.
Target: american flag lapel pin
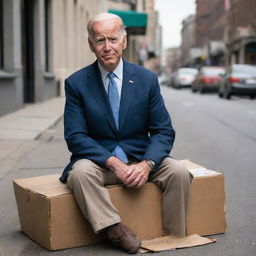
(130, 81)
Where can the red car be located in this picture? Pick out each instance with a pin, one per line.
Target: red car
(208, 79)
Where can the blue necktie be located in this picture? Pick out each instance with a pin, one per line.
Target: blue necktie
(114, 100)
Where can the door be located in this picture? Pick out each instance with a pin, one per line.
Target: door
(27, 12)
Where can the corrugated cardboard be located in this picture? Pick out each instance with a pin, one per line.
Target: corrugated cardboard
(206, 211)
(49, 215)
(173, 242)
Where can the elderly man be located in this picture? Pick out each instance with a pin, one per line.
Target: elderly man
(119, 132)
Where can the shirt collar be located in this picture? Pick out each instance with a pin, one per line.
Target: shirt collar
(118, 71)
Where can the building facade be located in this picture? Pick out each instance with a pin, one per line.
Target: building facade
(210, 31)
(26, 70)
(241, 32)
(202, 22)
(44, 41)
(70, 48)
(149, 46)
(226, 31)
(216, 44)
(188, 41)
(172, 59)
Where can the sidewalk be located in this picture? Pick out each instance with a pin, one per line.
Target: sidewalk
(20, 130)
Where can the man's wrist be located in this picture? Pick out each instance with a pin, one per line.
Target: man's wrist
(151, 164)
(113, 163)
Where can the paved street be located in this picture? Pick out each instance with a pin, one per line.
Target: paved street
(214, 132)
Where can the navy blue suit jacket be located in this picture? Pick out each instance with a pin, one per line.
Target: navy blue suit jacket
(145, 129)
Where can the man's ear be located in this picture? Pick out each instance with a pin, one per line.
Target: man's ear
(90, 45)
(125, 43)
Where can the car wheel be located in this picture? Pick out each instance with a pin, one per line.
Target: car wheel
(252, 97)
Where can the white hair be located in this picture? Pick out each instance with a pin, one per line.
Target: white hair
(103, 17)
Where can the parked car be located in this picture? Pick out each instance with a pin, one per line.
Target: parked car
(164, 79)
(239, 79)
(184, 77)
(208, 79)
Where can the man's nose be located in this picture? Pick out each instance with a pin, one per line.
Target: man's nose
(107, 45)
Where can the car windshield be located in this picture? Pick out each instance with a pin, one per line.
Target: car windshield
(246, 69)
(213, 71)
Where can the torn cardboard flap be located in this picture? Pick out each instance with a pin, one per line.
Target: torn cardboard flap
(173, 242)
(203, 172)
(189, 164)
(199, 170)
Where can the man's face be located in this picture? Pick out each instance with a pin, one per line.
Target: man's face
(108, 43)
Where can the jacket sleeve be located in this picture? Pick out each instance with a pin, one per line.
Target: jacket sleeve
(78, 141)
(160, 128)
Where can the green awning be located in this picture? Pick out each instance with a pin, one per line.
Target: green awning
(135, 22)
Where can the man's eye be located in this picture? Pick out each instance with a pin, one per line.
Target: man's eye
(100, 41)
(113, 40)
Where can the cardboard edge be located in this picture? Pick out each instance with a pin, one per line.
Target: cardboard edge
(34, 189)
(166, 243)
(35, 228)
(222, 227)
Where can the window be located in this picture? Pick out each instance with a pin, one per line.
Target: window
(1, 35)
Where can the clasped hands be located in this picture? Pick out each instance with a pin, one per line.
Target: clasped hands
(132, 176)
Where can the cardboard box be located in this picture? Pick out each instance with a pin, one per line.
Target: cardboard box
(49, 215)
(206, 210)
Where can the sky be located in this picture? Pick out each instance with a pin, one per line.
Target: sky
(171, 14)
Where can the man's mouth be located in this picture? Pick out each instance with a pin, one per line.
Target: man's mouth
(107, 57)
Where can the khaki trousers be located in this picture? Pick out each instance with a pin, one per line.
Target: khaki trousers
(87, 181)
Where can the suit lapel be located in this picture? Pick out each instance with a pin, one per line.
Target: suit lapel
(128, 88)
(100, 95)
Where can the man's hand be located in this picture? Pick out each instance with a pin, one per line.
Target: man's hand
(119, 168)
(137, 175)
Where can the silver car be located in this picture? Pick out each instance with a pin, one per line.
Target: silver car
(239, 79)
(184, 77)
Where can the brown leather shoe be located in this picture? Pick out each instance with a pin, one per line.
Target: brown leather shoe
(123, 237)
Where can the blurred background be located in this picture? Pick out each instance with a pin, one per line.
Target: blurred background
(43, 41)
